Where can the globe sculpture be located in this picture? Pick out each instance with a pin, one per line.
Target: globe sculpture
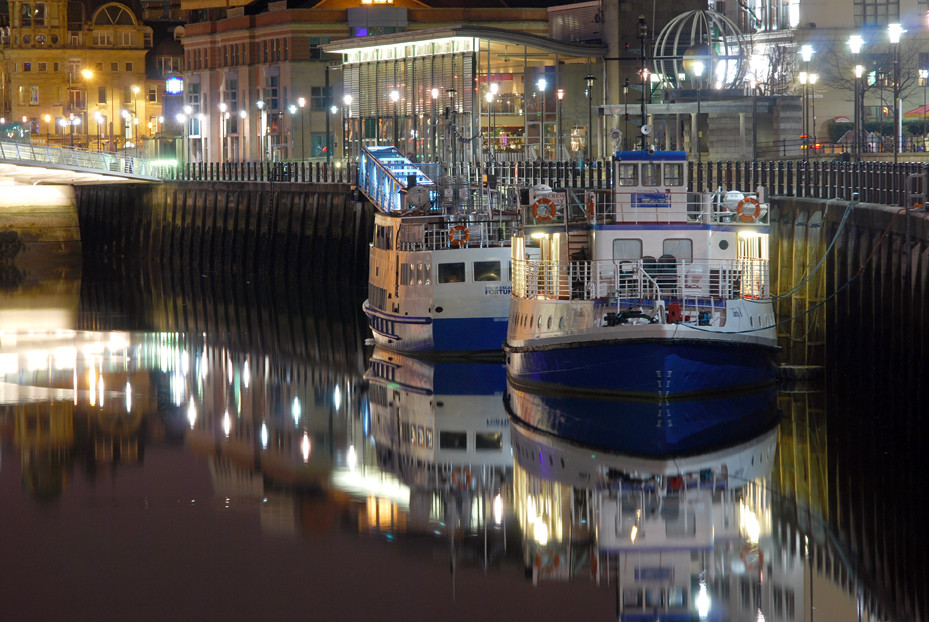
(703, 49)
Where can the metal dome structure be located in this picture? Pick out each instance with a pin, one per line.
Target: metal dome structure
(702, 49)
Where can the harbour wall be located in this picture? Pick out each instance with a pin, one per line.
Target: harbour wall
(859, 271)
(299, 233)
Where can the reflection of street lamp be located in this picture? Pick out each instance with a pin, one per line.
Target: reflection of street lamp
(541, 84)
(894, 32)
(395, 98)
(559, 139)
(589, 80)
(302, 102)
(854, 43)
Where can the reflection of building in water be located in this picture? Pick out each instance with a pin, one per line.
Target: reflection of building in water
(685, 537)
(438, 427)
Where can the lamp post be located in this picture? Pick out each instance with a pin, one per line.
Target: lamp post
(302, 102)
(333, 109)
(48, 123)
(188, 110)
(812, 78)
(589, 80)
(854, 44)
(99, 119)
(894, 32)
(494, 89)
(347, 100)
(924, 78)
(293, 110)
(697, 68)
(261, 129)
(435, 134)
(881, 78)
(541, 84)
(222, 132)
(395, 98)
(806, 53)
(489, 98)
(559, 139)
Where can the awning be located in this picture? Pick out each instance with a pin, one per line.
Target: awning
(917, 113)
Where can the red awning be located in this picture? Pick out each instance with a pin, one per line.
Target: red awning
(917, 113)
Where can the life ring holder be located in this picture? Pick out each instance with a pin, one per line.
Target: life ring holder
(756, 210)
(461, 478)
(591, 205)
(548, 211)
(459, 235)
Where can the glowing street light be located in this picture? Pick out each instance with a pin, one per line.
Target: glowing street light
(854, 44)
(541, 85)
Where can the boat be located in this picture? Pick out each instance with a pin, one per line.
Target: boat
(439, 276)
(644, 289)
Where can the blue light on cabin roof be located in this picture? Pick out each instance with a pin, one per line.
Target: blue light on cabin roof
(644, 156)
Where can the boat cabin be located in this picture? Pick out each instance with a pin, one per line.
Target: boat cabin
(650, 186)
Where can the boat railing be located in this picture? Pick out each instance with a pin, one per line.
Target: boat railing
(443, 235)
(647, 278)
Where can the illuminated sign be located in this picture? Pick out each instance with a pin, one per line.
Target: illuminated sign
(174, 86)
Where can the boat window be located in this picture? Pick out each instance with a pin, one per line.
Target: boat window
(632, 598)
(674, 174)
(680, 248)
(628, 174)
(627, 249)
(422, 274)
(429, 438)
(488, 440)
(654, 598)
(486, 270)
(408, 274)
(651, 174)
(452, 272)
(453, 440)
(677, 597)
(382, 237)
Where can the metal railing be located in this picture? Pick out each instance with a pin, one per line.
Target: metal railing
(100, 161)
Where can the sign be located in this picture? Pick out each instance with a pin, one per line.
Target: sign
(174, 85)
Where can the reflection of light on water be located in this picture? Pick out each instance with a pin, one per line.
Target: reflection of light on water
(227, 424)
(305, 447)
(352, 458)
(246, 374)
(748, 523)
(703, 602)
(203, 365)
(128, 397)
(191, 413)
(9, 363)
(296, 410)
(498, 509)
(185, 362)
(100, 390)
(633, 533)
(65, 357)
(372, 482)
(92, 384)
(264, 435)
(36, 360)
(337, 397)
(540, 532)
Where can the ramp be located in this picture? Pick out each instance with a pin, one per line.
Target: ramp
(385, 176)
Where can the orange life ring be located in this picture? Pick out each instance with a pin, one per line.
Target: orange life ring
(591, 205)
(752, 557)
(459, 235)
(461, 479)
(756, 211)
(547, 213)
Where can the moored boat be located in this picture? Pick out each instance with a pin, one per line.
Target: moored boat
(439, 276)
(643, 290)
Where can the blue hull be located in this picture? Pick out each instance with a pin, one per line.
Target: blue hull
(437, 336)
(647, 369)
(654, 429)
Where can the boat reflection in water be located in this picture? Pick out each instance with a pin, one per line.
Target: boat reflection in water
(439, 428)
(680, 533)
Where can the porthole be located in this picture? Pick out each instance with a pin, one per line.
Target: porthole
(549, 323)
(27, 39)
(54, 39)
(723, 245)
(561, 323)
(539, 323)
(40, 39)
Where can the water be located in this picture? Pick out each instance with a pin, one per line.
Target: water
(184, 446)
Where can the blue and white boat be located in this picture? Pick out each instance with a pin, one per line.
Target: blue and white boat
(643, 290)
(439, 276)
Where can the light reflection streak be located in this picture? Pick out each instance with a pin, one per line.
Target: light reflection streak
(227, 424)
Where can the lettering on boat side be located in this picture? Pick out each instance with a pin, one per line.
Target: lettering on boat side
(496, 290)
(498, 423)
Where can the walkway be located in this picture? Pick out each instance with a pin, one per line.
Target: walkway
(23, 163)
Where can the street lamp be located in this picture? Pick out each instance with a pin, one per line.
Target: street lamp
(70, 122)
(333, 109)
(697, 68)
(292, 109)
(302, 102)
(222, 132)
(435, 134)
(541, 84)
(813, 77)
(806, 53)
(262, 120)
(559, 139)
(854, 43)
(395, 98)
(589, 80)
(894, 32)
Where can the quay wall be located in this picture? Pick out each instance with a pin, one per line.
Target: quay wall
(295, 232)
(859, 271)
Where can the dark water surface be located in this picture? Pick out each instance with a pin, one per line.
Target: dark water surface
(193, 447)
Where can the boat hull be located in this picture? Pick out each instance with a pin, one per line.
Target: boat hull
(646, 428)
(642, 368)
(437, 336)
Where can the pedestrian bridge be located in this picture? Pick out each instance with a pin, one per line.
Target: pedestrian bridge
(27, 164)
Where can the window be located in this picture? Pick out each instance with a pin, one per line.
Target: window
(316, 43)
(101, 95)
(453, 440)
(488, 440)
(627, 249)
(33, 95)
(452, 272)
(42, 66)
(152, 94)
(679, 248)
(628, 174)
(103, 38)
(99, 66)
(27, 66)
(271, 92)
(39, 14)
(319, 98)
(486, 270)
(651, 174)
(125, 38)
(674, 174)
(129, 67)
(114, 66)
(25, 15)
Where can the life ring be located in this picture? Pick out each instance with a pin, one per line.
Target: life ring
(756, 210)
(548, 211)
(552, 561)
(591, 205)
(461, 479)
(459, 235)
(752, 557)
